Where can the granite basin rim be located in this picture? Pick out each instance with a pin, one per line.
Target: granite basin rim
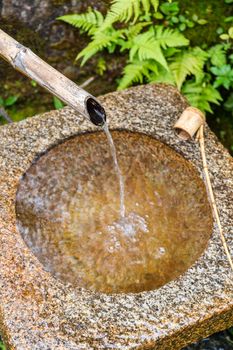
(145, 320)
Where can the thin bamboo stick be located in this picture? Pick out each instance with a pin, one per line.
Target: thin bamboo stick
(211, 194)
(190, 122)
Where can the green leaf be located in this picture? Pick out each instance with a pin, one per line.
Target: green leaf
(88, 22)
(57, 103)
(169, 8)
(231, 58)
(170, 37)
(126, 10)
(182, 19)
(229, 107)
(186, 63)
(230, 32)
(162, 76)
(149, 45)
(202, 21)
(134, 29)
(154, 3)
(195, 18)
(175, 19)
(224, 36)
(201, 95)
(219, 30)
(224, 76)
(182, 27)
(217, 54)
(10, 101)
(2, 346)
(146, 46)
(135, 72)
(158, 15)
(101, 40)
(101, 66)
(228, 19)
(1, 102)
(190, 24)
(33, 83)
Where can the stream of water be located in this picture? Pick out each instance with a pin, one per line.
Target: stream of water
(117, 168)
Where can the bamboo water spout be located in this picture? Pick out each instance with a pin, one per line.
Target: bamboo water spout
(25, 61)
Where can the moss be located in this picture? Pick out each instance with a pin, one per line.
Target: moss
(214, 11)
(59, 2)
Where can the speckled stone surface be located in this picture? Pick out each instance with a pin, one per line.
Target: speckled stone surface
(40, 313)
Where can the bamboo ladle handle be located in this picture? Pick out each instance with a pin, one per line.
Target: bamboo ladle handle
(26, 62)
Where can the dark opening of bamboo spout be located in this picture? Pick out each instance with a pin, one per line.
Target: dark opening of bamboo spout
(96, 112)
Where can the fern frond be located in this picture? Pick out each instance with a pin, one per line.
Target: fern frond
(217, 54)
(170, 37)
(101, 40)
(155, 4)
(146, 6)
(134, 29)
(135, 72)
(88, 22)
(186, 63)
(126, 10)
(149, 45)
(145, 46)
(201, 95)
(162, 76)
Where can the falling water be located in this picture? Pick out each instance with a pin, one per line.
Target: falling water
(118, 171)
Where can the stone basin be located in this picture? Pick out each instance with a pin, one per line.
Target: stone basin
(46, 303)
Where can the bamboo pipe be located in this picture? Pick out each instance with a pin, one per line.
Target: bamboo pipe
(26, 62)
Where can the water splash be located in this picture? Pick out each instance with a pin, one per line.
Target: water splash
(118, 170)
(130, 225)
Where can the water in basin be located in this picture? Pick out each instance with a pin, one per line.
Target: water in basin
(68, 208)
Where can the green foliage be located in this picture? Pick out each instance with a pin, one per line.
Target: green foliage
(170, 8)
(2, 346)
(229, 103)
(150, 45)
(101, 66)
(151, 34)
(187, 62)
(107, 39)
(201, 94)
(89, 22)
(136, 71)
(224, 76)
(228, 35)
(9, 101)
(217, 54)
(58, 104)
(124, 11)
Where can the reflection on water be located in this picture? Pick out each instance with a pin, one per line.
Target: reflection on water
(68, 213)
